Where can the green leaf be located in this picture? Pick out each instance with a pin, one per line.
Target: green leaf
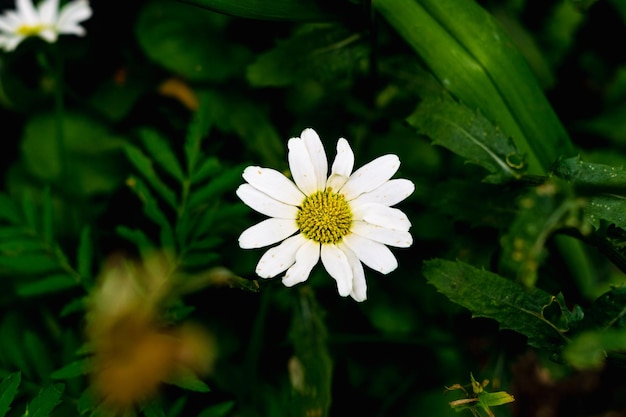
(209, 167)
(227, 180)
(589, 349)
(197, 131)
(45, 401)
(38, 354)
(289, 10)
(48, 285)
(29, 264)
(152, 409)
(487, 294)
(188, 41)
(152, 210)
(604, 185)
(8, 209)
(92, 152)
(47, 231)
(84, 256)
(72, 370)
(8, 390)
(137, 237)
(161, 152)
(218, 410)
(470, 135)
(492, 399)
(541, 211)
(321, 52)
(144, 165)
(609, 310)
(187, 379)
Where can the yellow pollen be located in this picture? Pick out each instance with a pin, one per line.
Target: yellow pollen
(26, 30)
(324, 217)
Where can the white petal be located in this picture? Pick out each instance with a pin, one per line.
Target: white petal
(373, 254)
(370, 176)
(301, 166)
(267, 232)
(279, 258)
(388, 217)
(318, 156)
(342, 166)
(397, 238)
(72, 14)
(27, 12)
(7, 24)
(48, 35)
(48, 10)
(338, 267)
(388, 194)
(274, 184)
(12, 42)
(265, 204)
(306, 257)
(359, 286)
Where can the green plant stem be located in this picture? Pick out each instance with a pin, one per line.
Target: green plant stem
(57, 69)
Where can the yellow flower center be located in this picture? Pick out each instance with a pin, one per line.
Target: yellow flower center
(26, 30)
(324, 217)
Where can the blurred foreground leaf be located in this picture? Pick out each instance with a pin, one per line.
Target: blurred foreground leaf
(8, 389)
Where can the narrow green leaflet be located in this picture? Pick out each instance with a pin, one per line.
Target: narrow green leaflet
(47, 285)
(153, 212)
(84, 256)
(161, 152)
(604, 185)
(487, 294)
(72, 370)
(322, 52)
(45, 401)
(187, 379)
(218, 410)
(8, 389)
(144, 165)
(470, 135)
(226, 181)
(8, 209)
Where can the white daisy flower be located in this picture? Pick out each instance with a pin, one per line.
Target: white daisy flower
(344, 219)
(45, 21)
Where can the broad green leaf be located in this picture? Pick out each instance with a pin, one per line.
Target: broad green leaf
(483, 69)
(470, 135)
(487, 294)
(72, 370)
(321, 52)
(609, 310)
(589, 349)
(143, 164)
(161, 152)
(92, 152)
(45, 401)
(8, 389)
(48, 285)
(116, 98)
(218, 410)
(189, 41)
(288, 10)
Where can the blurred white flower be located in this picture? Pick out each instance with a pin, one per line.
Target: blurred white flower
(45, 21)
(344, 219)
